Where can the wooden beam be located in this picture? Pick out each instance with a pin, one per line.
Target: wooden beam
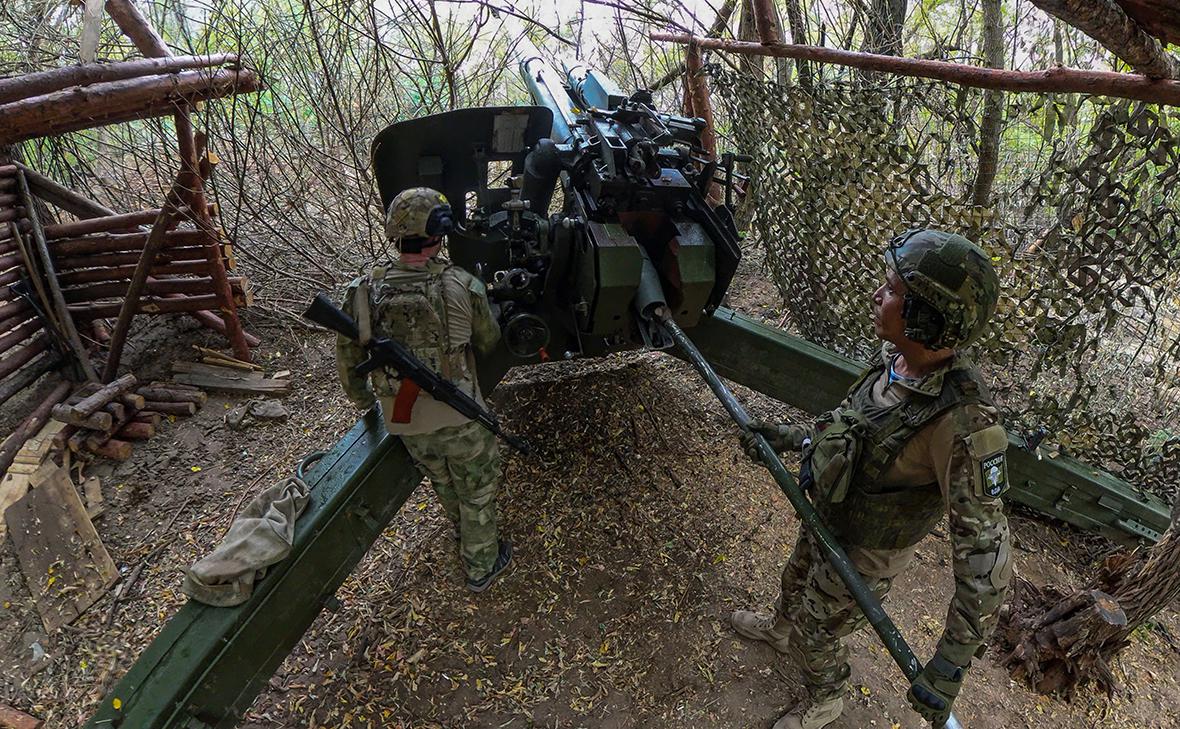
(1056, 80)
(28, 375)
(56, 79)
(1107, 23)
(115, 101)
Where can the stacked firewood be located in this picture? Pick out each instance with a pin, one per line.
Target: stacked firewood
(105, 419)
(95, 258)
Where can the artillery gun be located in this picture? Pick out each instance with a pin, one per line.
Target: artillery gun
(635, 230)
(633, 216)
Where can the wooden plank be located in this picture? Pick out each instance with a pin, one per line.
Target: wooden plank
(66, 566)
(211, 370)
(241, 384)
(10, 718)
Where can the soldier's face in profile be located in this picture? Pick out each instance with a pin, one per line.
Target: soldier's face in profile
(888, 323)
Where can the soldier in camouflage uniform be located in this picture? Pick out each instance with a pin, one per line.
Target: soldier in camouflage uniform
(441, 313)
(916, 438)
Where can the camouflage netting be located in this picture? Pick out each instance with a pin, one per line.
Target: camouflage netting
(1086, 343)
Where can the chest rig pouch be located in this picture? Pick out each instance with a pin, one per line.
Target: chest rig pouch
(857, 445)
(409, 306)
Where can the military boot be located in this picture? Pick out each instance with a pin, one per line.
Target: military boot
(760, 626)
(812, 714)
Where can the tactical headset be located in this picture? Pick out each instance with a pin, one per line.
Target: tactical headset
(440, 222)
(923, 322)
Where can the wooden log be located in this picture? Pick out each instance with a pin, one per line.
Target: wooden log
(7, 170)
(10, 259)
(1107, 23)
(56, 79)
(766, 22)
(702, 104)
(10, 276)
(147, 416)
(56, 302)
(113, 223)
(217, 324)
(95, 421)
(149, 305)
(8, 214)
(117, 410)
(116, 450)
(8, 199)
(74, 278)
(122, 242)
(171, 408)
(31, 425)
(117, 101)
(172, 393)
(100, 330)
(20, 334)
(1055, 80)
(28, 375)
(23, 355)
(118, 289)
(10, 718)
(63, 197)
(187, 254)
(124, 222)
(136, 27)
(132, 400)
(9, 323)
(136, 430)
(106, 393)
(61, 440)
(14, 307)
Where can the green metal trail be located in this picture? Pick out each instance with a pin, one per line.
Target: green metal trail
(886, 630)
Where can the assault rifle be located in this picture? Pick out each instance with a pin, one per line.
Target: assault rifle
(389, 353)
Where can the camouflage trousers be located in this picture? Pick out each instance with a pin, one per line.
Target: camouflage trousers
(463, 465)
(817, 611)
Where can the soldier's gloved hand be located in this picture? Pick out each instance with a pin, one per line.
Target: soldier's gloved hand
(933, 692)
(772, 432)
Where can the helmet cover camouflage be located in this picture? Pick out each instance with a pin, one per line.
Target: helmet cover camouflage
(418, 212)
(950, 275)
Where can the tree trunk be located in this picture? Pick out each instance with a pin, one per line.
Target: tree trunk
(1075, 639)
(1107, 23)
(992, 123)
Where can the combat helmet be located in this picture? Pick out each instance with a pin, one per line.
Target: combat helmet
(952, 288)
(417, 214)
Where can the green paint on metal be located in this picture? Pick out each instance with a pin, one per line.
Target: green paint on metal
(208, 664)
(815, 379)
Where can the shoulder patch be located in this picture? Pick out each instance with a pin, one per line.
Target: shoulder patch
(993, 472)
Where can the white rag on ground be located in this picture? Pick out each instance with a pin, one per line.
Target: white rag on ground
(261, 536)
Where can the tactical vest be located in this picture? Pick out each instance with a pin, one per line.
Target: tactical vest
(857, 445)
(409, 306)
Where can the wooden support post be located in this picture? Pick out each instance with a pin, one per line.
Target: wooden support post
(133, 24)
(1056, 80)
(56, 300)
(702, 105)
(155, 240)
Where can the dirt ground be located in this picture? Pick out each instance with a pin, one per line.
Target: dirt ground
(637, 528)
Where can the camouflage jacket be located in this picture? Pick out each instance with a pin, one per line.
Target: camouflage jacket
(963, 452)
(464, 323)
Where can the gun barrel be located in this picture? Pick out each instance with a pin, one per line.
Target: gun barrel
(323, 312)
(593, 87)
(544, 85)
